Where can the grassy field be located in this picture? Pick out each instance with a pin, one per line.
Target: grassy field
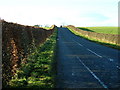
(107, 30)
(46, 27)
(39, 69)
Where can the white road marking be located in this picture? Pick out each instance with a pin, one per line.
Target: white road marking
(93, 74)
(78, 43)
(111, 59)
(94, 53)
(118, 67)
(72, 74)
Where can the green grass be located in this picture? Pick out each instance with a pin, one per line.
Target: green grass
(94, 40)
(39, 69)
(47, 27)
(106, 30)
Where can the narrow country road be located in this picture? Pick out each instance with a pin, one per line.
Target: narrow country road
(85, 64)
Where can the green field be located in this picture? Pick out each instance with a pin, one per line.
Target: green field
(107, 30)
(46, 27)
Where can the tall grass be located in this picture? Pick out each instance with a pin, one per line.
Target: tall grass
(37, 71)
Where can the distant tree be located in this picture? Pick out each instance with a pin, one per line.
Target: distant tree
(36, 26)
(61, 26)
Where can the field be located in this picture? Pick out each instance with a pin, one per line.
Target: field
(46, 27)
(106, 30)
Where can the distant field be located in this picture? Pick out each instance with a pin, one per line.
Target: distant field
(107, 30)
(46, 27)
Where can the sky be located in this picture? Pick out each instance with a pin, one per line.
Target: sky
(80, 13)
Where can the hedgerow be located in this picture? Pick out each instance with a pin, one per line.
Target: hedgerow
(37, 71)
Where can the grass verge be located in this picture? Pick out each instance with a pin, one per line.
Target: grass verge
(38, 71)
(96, 41)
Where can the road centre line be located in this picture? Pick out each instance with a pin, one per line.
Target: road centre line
(78, 43)
(111, 59)
(94, 53)
(93, 74)
(118, 67)
(89, 50)
(72, 74)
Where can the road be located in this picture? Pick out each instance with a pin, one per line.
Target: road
(85, 64)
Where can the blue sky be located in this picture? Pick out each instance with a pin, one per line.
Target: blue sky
(67, 12)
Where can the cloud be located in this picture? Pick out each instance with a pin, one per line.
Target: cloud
(75, 12)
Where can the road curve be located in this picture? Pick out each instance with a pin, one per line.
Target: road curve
(85, 64)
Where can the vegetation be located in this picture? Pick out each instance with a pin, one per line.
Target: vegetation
(38, 70)
(94, 40)
(37, 26)
(47, 27)
(107, 30)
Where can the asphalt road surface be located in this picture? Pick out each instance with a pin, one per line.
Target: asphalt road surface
(85, 64)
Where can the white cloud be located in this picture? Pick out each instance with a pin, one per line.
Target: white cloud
(75, 12)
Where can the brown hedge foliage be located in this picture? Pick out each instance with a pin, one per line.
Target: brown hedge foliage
(107, 38)
(17, 42)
